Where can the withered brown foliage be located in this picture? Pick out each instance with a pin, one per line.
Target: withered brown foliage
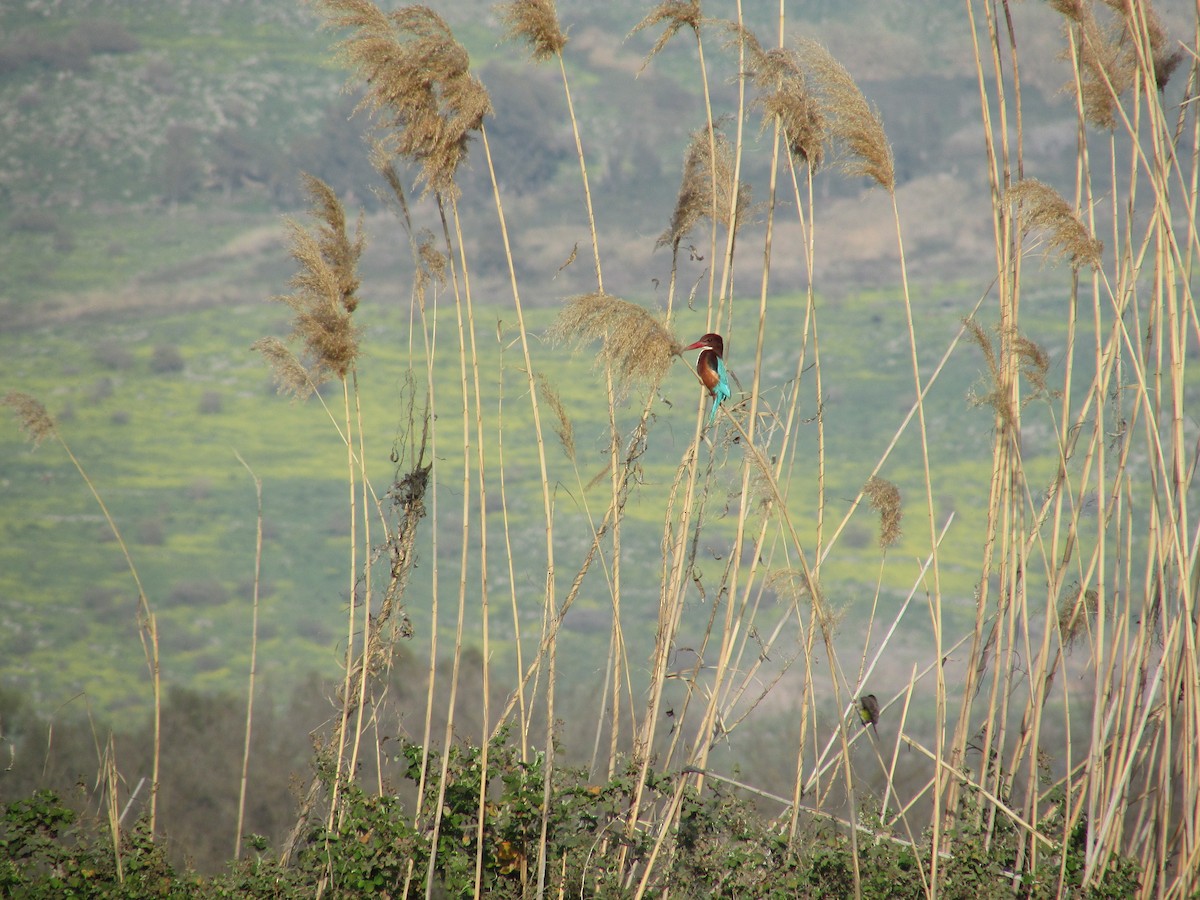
(535, 22)
(850, 120)
(323, 297)
(695, 199)
(418, 84)
(884, 498)
(676, 14)
(34, 420)
(635, 345)
(1042, 207)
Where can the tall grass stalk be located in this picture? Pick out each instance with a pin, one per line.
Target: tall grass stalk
(250, 679)
(38, 424)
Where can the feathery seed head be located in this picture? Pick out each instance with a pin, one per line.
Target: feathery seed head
(696, 199)
(1035, 363)
(849, 119)
(785, 95)
(35, 421)
(676, 14)
(884, 498)
(290, 375)
(536, 22)
(323, 294)
(418, 83)
(1042, 207)
(635, 345)
(563, 426)
(1106, 59)
(433, 264)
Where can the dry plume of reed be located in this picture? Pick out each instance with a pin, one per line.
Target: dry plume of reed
(851, 121)
(535, 22)
(707, 167)
(1042, 207)
(633, 344)
(419, 83)
(323, 298)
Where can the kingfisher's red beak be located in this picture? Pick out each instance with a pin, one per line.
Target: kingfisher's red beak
(699, 345)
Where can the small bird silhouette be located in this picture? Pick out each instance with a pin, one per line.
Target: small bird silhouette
(710, 366)
(868, 711)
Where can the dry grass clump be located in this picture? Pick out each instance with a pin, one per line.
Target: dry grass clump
(676, 14)
(884, 498)
(323, 298)
(1044, 208)
(35, 421)
(695, 200)
(850, 119)
(635, 346)
(418, 81)
(535, 22)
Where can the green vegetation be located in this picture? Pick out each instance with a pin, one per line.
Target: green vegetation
(914, 617)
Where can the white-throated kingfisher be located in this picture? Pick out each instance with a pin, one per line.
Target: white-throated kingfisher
(710, 366)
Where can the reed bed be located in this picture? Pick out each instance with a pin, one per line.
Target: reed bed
(1059, 730)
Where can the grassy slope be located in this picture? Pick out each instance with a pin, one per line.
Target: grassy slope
(168, 470)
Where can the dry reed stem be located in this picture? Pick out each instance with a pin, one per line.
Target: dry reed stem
(678, 14)
(539, 435)
(258, 552)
